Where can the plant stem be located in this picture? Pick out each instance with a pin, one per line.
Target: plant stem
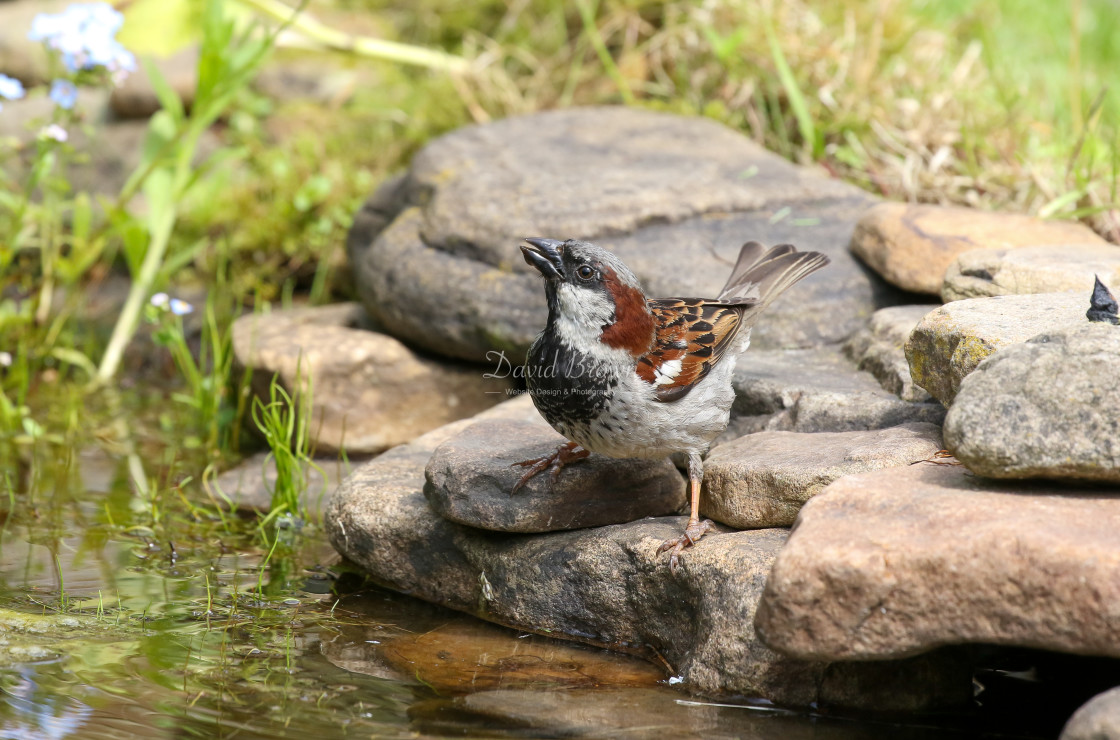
(130, 314)
(587, 16)
(389, 51)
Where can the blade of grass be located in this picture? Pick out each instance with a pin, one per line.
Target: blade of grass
(813, 146)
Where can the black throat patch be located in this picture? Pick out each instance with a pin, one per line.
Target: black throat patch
(568, 387)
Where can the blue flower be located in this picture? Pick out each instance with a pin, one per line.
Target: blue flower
(176, 306)
(180, 308)
(64, 93)
(83, 36)
(10, 88)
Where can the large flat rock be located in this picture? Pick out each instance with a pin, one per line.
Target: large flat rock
(674, 197)
(912, 245)
(899, 561)
(605, 586)
(1054, 268)
(763, 479)
(1047, 408)
(470, 479)
(948, 343)
(369, 391)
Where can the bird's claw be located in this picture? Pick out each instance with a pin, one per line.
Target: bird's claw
(554, 463)
(693, 532)
(536, 465)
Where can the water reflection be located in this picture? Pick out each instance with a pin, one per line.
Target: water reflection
(163, 618)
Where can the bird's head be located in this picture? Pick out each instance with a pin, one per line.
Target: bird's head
(593, 298)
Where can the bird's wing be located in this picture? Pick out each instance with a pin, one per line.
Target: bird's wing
(691, 336)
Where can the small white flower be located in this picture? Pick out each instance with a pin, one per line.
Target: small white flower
(54, 131)
(5, 359)
(161, 300)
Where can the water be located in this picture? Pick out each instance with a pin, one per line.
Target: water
(165, 618)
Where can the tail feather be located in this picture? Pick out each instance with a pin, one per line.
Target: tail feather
(761, 275)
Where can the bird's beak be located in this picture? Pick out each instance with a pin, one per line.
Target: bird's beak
(544, 254)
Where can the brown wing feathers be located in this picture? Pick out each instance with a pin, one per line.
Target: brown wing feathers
(692, 334)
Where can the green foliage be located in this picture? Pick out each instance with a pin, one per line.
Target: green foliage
(284, 422)
(161, 27)
(167, 172)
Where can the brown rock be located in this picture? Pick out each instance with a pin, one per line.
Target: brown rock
(467, 655)
(292, 74)
(369, 391)
(763, 480)
(1053, 268)
(399, 638)
(471, 475)
(136, 97)
(879, 348)
(603, 586)
(1099, 719)
(893, 562)
(912, 246)
(20, 57)
(948, 343)
(628, 713)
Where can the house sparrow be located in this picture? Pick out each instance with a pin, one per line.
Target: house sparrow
(630, 377)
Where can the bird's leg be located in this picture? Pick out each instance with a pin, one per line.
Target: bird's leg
(695, 529)
(555, 462)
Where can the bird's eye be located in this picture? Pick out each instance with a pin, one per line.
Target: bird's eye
(585, 272)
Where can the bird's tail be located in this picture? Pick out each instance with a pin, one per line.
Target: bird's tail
(761, 275)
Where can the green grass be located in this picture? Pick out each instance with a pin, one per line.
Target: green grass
(997, 104)
(988, 103)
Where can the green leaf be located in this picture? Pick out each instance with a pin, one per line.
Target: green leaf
(134, 241)
(161, 27)
(75, 358)
(168, 98)
(793, 92)
(217, 46)
(158, 146)
(181, 259)
(1060, 202)
(81, 217)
